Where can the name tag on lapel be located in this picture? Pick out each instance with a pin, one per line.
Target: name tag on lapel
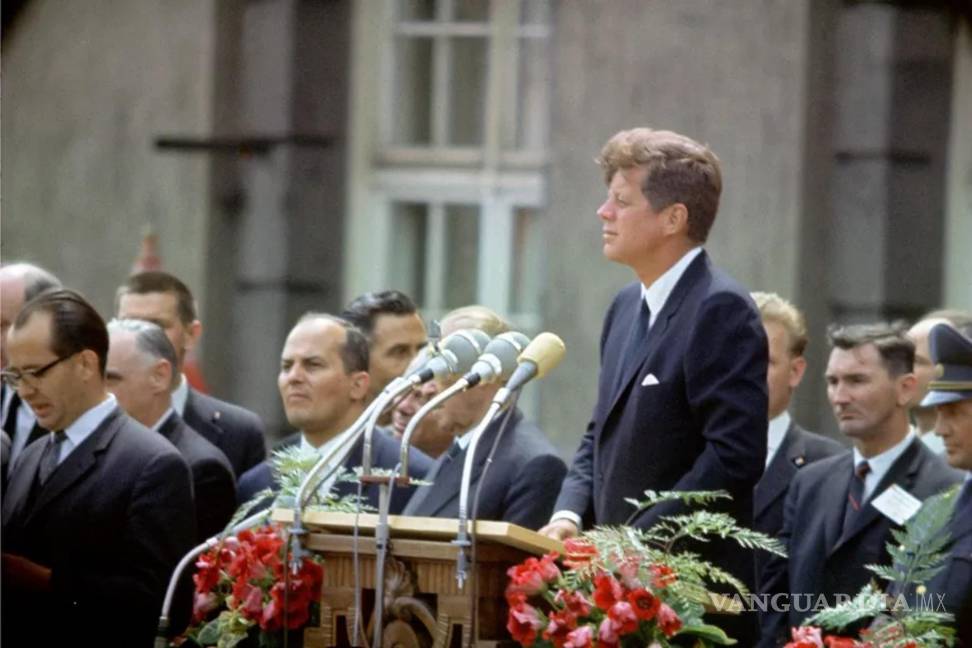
(649, 380)
(897, 504)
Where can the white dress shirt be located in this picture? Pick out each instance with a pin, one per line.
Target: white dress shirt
(84, 425)
(180, 395)
(880, 464)
(777, 431)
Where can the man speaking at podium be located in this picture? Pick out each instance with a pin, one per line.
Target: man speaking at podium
(682, 396)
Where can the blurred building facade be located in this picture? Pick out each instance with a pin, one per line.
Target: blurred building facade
(290, 154)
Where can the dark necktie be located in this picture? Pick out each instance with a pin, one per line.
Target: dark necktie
(637, 339)
(10, 423)
(855, 494)
(48, 461)
(422, 492)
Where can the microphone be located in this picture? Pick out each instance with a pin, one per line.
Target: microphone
(498, 360)
(456, 354)
(542, 354)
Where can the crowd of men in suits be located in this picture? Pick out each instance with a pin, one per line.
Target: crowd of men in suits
(114, 467)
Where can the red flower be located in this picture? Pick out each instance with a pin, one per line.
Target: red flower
(202, 604)
(526, 578)
(644, 603)
(560, 624)
(574, 602)
(579, 552)
(607, 591)
(662, 576)
(547, 567)
(207, 572)
(523, 622)
(628, 569)
(839, 642)
(805, 637)
(251, 602)
(607, 633)
(624, 616)
(668, 620)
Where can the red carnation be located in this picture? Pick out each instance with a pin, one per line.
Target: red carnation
(574, 602)
(547, 567)
(839, 642)
(207, 574)
(607, 591)
(624, 617)
(523, 622)
(579, 552)
(668, 620)
(526, 577)
(644, 603)
(662, 576)
(558, 627)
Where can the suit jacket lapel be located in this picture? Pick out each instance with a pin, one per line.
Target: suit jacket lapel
(780, 471)
(657, 332)
(18, 488)
(902, 472)
(832, 500)
(78, 463)
(444, 489)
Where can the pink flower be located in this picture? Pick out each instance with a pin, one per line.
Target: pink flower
(668, 620)
(559, 625)
(805, 637)
(582, 637)
(624, 617)
(574, 602)
(202, 605)
(523, 622)
(607, 634)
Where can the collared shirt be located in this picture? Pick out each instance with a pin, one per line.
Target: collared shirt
(655, 296)
(658, 292)
(162, 419)
(24, 423)
(880, 464)
(777, 430)
(180, 395)
(84, 425)
(327, 448)
(464, 440)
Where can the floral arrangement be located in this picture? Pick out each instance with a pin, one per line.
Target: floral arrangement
(918, 553)
(628, 587)
(249, 586)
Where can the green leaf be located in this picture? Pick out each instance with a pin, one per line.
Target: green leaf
(708, 632)
(209, 634)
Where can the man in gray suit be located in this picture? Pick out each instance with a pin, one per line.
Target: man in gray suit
(524, 479)
(96, 515)
(789, 447)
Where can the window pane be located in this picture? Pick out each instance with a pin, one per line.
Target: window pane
(409, 227)
(526, 277)
(467, 91)
(413, 91)
(472, 10)
(462, 251)
(534, 79)
(416, 9)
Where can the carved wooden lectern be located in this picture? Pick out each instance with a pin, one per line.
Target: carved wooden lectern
(423, 604)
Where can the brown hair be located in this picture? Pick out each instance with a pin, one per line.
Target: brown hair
(155, 281)
(680, 170)
(75, 324)
(896, 351)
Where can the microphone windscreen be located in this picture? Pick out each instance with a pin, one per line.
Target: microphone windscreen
(545, 351)
(507, 347)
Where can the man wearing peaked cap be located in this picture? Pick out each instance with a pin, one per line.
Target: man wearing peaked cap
(951, 395)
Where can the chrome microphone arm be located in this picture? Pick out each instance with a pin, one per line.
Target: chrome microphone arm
(436, 400)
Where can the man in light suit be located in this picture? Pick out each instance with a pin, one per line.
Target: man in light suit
(19, 283)
(789, 447)
(161, 298)
(951, 396)
(682, 397)
(323, 384)
(523, 480)
(835, 518)
(141, 374)
(99, 513)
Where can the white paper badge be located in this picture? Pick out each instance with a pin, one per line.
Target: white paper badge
(897, 504)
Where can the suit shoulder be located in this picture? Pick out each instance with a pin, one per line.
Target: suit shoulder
(256, 478)
(197, 449)
(934, 474)
(529, 441)
(818, 446)
(820, 471)
(209, 408)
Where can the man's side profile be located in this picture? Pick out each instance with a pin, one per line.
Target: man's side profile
(19, 283)
(682, 396)
(834, 522)
(98, 513)
(789, 447)
(323, 383)
(522, 483)
(431, 435)
(141, 374)
(161, 298)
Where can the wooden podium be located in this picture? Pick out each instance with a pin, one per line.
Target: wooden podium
(423, 605)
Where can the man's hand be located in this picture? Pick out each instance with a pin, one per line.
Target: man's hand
(560, 530)
(21, 573)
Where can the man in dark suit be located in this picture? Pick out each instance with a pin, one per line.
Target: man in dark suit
(682, 398)
(19, 283)
(951, 395)
(837, 517)
(523, 480)
(161, 298)
(98, 514)
(323, 384)
(789, 447)
(141, 375)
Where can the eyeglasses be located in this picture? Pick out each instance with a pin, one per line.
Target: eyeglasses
(30, 377)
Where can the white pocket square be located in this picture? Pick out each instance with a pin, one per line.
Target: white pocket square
(649, 380)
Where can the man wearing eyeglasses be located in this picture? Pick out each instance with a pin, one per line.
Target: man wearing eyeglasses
(19, 283)
(99, 512)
